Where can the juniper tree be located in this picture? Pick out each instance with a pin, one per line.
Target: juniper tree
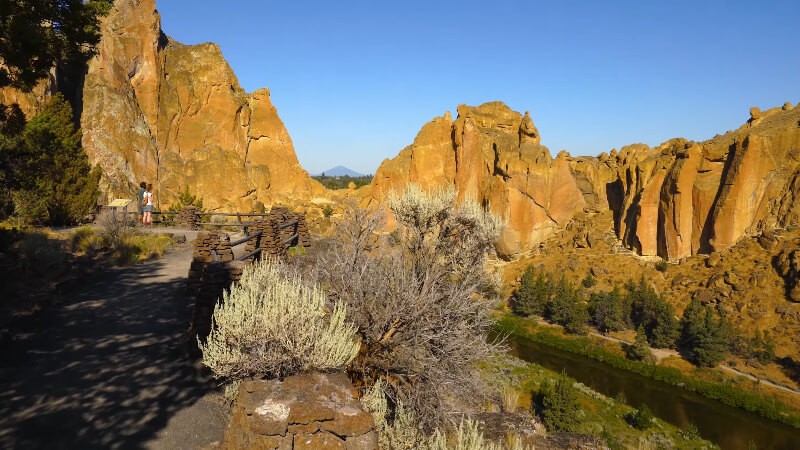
(533, 293)
(54, 183)
(608, 311)
(559, 405)
(654, 313)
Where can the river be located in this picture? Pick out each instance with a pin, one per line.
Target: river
(730, 428)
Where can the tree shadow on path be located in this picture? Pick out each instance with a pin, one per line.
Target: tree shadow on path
(106, 368)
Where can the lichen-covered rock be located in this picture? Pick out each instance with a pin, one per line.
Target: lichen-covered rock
(312, 411)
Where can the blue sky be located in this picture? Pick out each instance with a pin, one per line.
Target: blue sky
(354, 81)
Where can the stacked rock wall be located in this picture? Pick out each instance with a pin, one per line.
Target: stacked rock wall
(302, 412)
(212, 270)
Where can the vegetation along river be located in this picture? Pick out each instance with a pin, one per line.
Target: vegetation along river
(728, 427)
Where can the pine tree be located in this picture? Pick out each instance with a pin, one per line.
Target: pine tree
(36, 35)
(55, 184)
(564, 296)
(711, 343)
(692, 324)
(652, 311)
(608, 311)
(640, 350)
(533, 294)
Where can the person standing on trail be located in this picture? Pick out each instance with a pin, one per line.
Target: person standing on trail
(140, 201)
(148, 206)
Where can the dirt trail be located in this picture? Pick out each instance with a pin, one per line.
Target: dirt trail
(106, 367)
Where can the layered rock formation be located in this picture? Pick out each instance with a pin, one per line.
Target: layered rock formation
(678, 199)
(493, 155)
(175, 115)
(684, 198)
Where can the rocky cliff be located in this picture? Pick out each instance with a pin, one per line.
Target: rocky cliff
(175, 115)
(493, 155)
(158, 110)
(683, 198)
(678, 199)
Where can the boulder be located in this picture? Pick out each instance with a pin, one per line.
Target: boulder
(312, 411)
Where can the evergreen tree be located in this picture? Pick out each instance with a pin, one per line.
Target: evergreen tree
(763, 347)
(712, 342)
(705, 338)
(564, 296)
(640, 350)
(560, 407)
(36, 35)
(652, 311)
(608, 311)
(54, 184)
(533, 293)
(692, 323)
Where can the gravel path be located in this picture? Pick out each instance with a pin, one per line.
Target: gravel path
(106, 367)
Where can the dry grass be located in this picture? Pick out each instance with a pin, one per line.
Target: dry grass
(510, 398)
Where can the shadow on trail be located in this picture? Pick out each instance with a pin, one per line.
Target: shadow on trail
(106, 368)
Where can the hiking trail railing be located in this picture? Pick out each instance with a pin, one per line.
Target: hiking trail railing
(214, 267)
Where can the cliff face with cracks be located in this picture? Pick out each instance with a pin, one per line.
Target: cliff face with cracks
(174, 115)
(493, 155)
(678, 199)
(684, 198)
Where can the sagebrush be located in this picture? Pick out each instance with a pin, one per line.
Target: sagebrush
(272, 324)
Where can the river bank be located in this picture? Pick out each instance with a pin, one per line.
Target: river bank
(738, 391)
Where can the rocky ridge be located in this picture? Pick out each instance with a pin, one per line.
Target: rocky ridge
(678, 199)
(493, 155)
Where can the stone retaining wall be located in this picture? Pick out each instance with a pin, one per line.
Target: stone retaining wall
(213, 268)
(303, 412)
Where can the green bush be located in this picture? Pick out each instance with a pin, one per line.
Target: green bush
(559, 405)
(641, 419)
(661, 266)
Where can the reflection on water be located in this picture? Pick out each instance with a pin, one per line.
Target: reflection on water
(728, 427)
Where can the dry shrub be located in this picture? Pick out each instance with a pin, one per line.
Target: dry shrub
(271, 324)
(510, 397)
(402, 432)
(415, 298)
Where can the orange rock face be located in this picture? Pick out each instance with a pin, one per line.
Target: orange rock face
(684, 198)
(175, 115)
(492, 154)
(679, 199)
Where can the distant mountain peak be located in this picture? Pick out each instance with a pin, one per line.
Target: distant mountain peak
(340, 171)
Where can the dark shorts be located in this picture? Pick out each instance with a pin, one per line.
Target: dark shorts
(148, 208)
